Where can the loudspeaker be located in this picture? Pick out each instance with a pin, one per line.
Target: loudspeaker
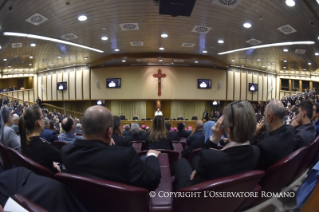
(97, 84)
(220, 85)
(42, 89)
(176, 7)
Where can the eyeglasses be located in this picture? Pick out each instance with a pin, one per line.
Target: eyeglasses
(232, 113)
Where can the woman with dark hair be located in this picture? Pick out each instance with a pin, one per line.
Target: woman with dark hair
(158, 136)
(117, 135)
(31, 124)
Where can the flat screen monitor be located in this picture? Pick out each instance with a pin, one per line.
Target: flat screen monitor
(62, 86)
(204, 83)
(252, 87)
(113, 82)
(215, 103)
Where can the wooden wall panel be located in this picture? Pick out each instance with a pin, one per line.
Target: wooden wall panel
(44, 83)
(86, 83)
(260, 86)
(15, 94)
(237, 84)
(274, 85)
(59, 79)
(66, 79)
(20, 95)
(26, 96)
(32, 96)
(249, 80)
(72, 83)
(265, 87)
(36, 88)
(78, 87)
(54, 84)
(255, 77)
(39, 84)
(244, 85)
(49, 85)
(230, 84)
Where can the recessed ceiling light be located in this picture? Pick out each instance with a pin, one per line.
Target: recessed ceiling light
(204, 51)
(290, 3)
(309, 64)
(195, 61)
(30, 57)
(30, 64)
(117, 50)
(304, 69)
(9, 66)
(33, 44)
(161, 48)
(233, 60)
(247, 25)
(220, 41)
(317, 53)
(285, 61)
(285, 50)
(263, 66)
(104, 38)
(82, 18)
(4, 59)
(123, 61)
(284, 67)
(164, 35)
(258, 60)
(59, 57)
(85, 58)
(160, 60)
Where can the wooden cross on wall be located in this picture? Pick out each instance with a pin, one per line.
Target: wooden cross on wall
(159, 75)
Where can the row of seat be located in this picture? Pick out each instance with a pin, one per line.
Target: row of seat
(104, 194)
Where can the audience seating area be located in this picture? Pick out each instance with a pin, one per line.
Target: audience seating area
(99, 194)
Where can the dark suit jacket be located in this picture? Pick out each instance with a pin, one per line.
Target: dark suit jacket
(183, 134)
(212, 164)
(127, 134)
(93, 158)
(161, 144)
(139, 137)
(194, 137)
(194, 118)
(121, 141)
(275, 147)
(135, 118)
(194, 145)
(304, 134)
(122, 117)
(173, 136)
(180, 118)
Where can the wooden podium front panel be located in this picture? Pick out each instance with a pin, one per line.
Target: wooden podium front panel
(191, 123)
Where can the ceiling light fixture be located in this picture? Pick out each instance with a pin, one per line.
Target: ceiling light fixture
(290, 3)
(164, 35)
(104, 38)
(247, 25)
(285, 61)
(9, 66)
(82, 18)
(263, 66)
(16, 34)
(258, 60)
(304, 69)
(161, 48)
(204, 51)
(85, 58)
(30, 64)
(123, 61)
(269, 45)
(220, 41)
(233, 60)
(59, 57)
(30, 57)
(284, 67)
(195, 61)
(160, 60)
(309, 64)
(33, 44)
(117, 50)
(285, 50)
(317, 53)
(4, 59)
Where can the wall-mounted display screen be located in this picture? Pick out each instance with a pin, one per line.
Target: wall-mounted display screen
(113, 82)
(62, 86)
(252, 87)
(204, 83)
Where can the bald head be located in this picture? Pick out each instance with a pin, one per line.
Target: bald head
(276, 108)
(199, 125)
(96, 120)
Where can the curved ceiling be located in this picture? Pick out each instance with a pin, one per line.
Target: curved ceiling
(135, 28)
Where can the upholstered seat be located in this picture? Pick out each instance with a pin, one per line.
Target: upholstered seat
(27, 204)
(172, 155)
(192, 154)
(59, 144)
(5, 159)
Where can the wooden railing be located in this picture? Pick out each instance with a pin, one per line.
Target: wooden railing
(62, 110)
(20, 95)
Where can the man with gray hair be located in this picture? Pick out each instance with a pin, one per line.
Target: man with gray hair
(277, 141)
(137, 134)
(47, 134)
(126, 132)
(14, 126)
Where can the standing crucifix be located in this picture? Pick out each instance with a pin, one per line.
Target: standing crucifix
(159, 75)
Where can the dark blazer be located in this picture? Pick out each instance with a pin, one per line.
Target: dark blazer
(173, 136)
(161, 144)
(194, 137)
(183, 134)
(121, 141)
(180, 118)
(135, 118)
(122, 117)
(127, 134)
(141, 136)
(304, 134)
(42, 153)
(194, 117)
(212, 164)
(205, 116)
(49, 135)
(93, 158)
(194, 145)
(274, 147)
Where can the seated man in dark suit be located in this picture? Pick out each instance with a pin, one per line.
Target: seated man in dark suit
(47, 134)
(97, 156)
(277, 141)
(182, 133)
(180, 117)
(127, 131)
(304, 130)
(117, 136)
(135, 117)
(194, 117)
(172, 135)
(122, 116)
(196, 134)
(137, 134)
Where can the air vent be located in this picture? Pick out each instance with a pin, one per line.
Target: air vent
(231, 4)
(300, 51)
(36, 19)
(178, 60)
(16, 45)
(287, 29)
(137, 43)
(141, 60)
(69, 36)
(129, 26)
(188, 44)
(253, 41)
(201, 29)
